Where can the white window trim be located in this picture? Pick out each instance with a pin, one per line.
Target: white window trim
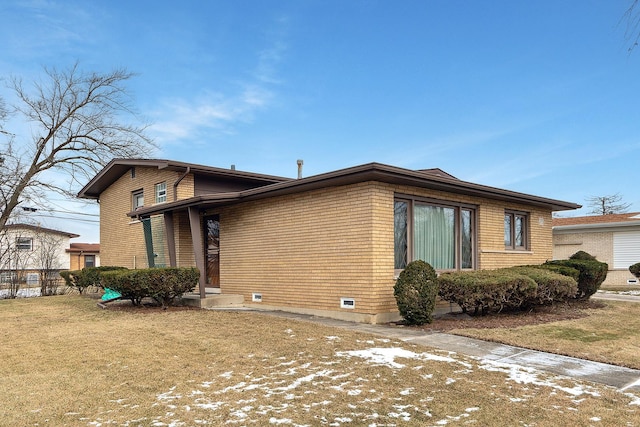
(161, 192)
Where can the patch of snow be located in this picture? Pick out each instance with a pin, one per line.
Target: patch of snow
(525, 375)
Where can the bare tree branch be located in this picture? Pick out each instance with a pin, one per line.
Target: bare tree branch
(78, 125)
(607, 205)
(632, 30)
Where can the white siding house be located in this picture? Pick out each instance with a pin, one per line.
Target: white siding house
(27, 251)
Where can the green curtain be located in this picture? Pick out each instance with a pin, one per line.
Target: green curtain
(434, 235)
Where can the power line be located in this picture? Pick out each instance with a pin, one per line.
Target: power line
(66, 217)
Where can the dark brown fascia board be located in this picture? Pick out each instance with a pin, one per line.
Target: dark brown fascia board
(362, 173)
(117, 167)
(400, 176)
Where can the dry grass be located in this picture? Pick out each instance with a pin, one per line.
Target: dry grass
(610, 335)
(66, 362)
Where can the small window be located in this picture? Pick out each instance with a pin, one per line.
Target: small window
(24, 243)
(6, 277)
(89, 260)
(161, 192)
(137, 200)
(516, 230)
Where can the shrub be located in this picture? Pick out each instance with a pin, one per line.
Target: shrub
(88, 276)
(561, 269)
(582, 255)
(551, 286)
(635, 269)
(591, 275)
(486, 290)
(416, 291)
(164, 285)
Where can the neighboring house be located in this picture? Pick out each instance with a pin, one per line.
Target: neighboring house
(614, 239)
(28, 251)
(83, 255)
(330, 244)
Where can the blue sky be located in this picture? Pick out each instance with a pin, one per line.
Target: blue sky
(538, 97)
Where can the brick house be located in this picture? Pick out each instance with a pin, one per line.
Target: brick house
(614, 239)
(330, 244)
(83, 255)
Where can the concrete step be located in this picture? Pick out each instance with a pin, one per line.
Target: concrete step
(213, 300)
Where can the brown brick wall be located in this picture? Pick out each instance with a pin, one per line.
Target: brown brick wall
(121, 239)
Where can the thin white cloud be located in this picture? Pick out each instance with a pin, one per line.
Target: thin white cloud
(180, 120)
(39, 28)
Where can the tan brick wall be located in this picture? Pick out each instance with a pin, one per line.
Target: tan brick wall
(308, 250)
(598, 244)
(121, 239)
(184, 246)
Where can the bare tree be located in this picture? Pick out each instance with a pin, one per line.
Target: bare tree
(76, 125)
(607, 205)
(48, 253)
(632, 19)
(14, 263)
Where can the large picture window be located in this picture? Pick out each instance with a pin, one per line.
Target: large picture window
(441, 234)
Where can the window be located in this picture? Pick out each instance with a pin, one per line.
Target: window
(161, 192)
(516, 229)
(7, 277)
(89, 260)
(441, 234)
(24, 243)
(137, 199)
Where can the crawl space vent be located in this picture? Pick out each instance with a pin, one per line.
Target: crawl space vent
(347, 303)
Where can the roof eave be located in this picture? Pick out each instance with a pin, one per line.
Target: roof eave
(362, 173)
(596, 225)
(117, 167)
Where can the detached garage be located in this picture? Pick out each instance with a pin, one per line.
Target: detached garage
(614, 239)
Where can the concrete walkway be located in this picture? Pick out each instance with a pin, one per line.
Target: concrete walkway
(625, 379)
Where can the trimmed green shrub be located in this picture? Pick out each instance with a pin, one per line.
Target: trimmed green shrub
(635, 269)
(591, 275)
(88, 276)
(551, 286)
(582, 255)
(164, 285)
(416, 290)
(561, 269)
(486, 290)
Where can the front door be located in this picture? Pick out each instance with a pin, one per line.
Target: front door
(212, 233)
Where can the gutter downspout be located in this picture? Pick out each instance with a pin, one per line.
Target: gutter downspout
(175, 184)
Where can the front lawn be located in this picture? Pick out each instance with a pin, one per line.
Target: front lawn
(606, 332)
(66, 362)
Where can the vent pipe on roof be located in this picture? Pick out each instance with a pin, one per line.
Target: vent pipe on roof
(233, 167)
(300, 163)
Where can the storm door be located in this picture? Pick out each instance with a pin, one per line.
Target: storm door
(212, 248)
